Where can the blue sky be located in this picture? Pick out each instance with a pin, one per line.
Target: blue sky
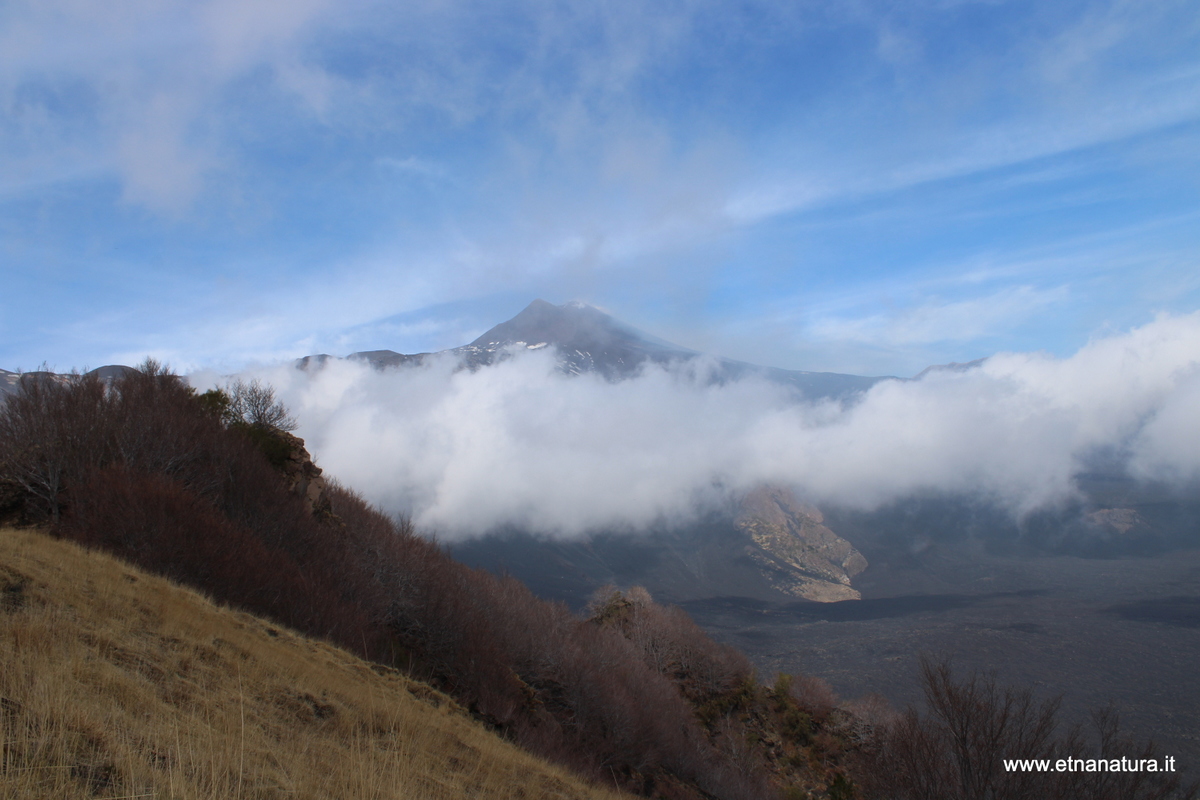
(865, 187)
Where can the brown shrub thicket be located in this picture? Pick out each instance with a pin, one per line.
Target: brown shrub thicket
(669, 642)
(814, 695)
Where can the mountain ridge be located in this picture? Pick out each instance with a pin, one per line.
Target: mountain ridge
(10, 382)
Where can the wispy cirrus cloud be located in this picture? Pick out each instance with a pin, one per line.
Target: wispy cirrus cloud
(935, 320)
(692, 165)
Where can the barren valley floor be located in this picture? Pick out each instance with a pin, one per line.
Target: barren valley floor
(1092, 630)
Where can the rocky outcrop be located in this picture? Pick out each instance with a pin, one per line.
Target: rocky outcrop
(796, 552)
(303, 476)
(1117, 521)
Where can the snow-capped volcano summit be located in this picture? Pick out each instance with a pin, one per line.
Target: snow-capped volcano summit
(587, 340)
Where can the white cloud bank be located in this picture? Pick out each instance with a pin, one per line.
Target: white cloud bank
(519, 443)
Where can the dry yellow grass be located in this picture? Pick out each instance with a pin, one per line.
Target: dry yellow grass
(118, 684)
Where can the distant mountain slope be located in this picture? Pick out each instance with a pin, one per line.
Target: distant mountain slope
(589, 341)
(774, 549)
(117, 683)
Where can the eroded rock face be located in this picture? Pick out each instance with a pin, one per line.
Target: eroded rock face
(1117, 521)
(797, 554)
(303, 476)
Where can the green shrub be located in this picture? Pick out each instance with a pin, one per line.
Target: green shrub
(782, 689)
(841, 788)
(269, 442)
(796, 726)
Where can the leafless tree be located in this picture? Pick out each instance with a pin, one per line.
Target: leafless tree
(255, 403)
(50, 428)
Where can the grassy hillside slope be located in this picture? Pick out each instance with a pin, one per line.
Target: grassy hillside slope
(118, 684)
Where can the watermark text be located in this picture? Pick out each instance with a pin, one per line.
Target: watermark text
(1123, 764)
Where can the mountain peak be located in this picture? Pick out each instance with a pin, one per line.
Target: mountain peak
(586, 338)
(573, 325)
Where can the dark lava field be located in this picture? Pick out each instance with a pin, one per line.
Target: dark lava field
(1095, 631)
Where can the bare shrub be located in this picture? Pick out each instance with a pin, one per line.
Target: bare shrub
(957, 750)
(867, 717)
(714, 680)
(671, 643)
(813, 695)
(255, 404)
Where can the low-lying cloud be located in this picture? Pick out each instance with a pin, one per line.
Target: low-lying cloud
(521, 444)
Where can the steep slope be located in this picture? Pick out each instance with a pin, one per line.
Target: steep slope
(117, 683)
